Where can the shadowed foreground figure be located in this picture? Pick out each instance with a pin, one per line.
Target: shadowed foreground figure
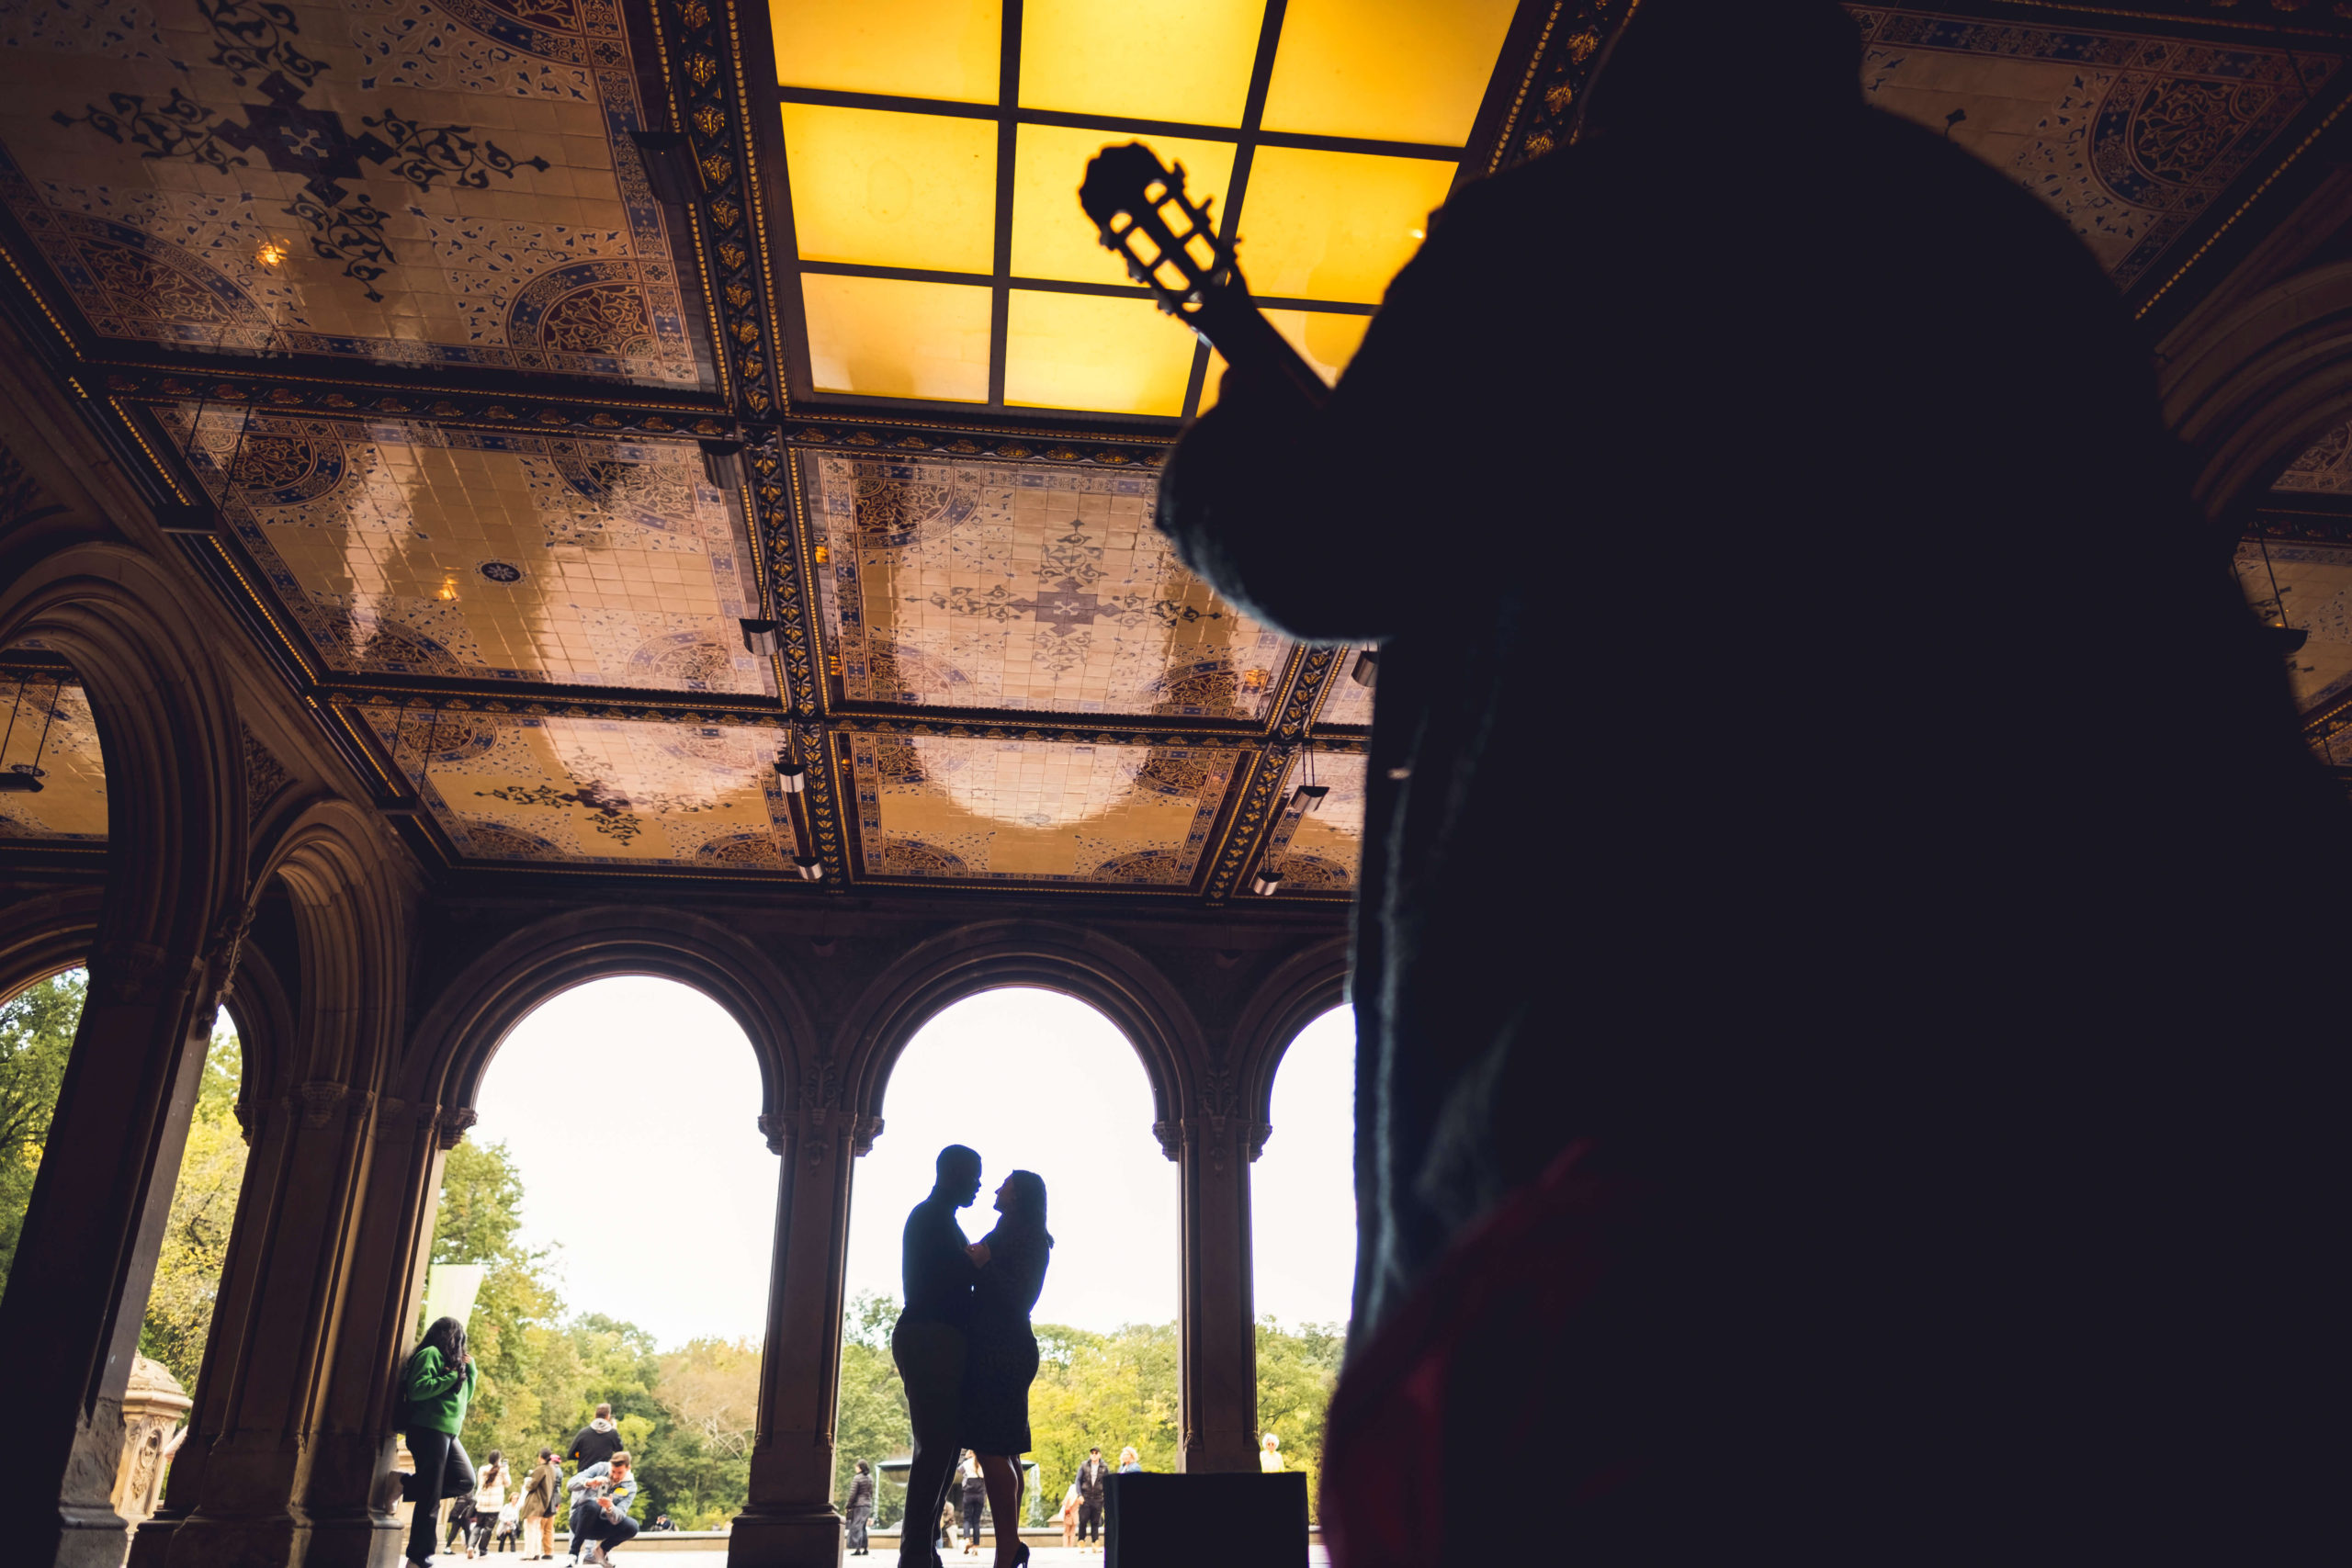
(1842, 887)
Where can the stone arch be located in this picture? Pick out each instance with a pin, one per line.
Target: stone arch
(2252, 388)
(1109, 976)
(351, 916)
(43, 936)
(455, 1041)
(1300, 989)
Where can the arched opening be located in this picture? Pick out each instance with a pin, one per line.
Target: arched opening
(605, 1230)
(37, 1029)
(1303, 1227)
(1034, 1079)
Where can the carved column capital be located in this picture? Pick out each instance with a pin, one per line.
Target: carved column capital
(316, 1100)
(451, 1126)
(135, 973)
(223, 947)
(773, 1129)
(864, 1130)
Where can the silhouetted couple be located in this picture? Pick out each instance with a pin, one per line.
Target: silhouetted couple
(964, 1352)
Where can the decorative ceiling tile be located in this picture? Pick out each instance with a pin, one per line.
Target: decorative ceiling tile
(1350, 699)
(407, 182)
(1320, 850)
(2315, 585)
(50, 734)
(957, 810)
(594, 791)
(2131, 138)
(409, 550)
(2324, 469)
(986, 585)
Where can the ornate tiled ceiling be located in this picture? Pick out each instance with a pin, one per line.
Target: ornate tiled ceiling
(413, 321)
(50, 736)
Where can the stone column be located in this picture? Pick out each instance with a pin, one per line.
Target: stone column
(1219, 1367)
(789, 1520)
(86, 1258)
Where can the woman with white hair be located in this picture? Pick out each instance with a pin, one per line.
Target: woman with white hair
(1270, 1454)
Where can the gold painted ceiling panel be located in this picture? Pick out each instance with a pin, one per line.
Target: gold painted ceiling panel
(50, 734)
(997, 586)
(1320, 850)
(1350, 702)
(955, 809)
(594, 792)
(412, 550)
(404, 182)
(2131, 138)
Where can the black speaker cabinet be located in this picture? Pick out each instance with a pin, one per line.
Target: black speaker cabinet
(1182, 1521)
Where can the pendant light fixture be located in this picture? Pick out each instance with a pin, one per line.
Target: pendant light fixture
(2288, 639)
(28, 780)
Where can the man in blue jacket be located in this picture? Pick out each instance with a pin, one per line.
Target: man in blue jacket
(601, 1495)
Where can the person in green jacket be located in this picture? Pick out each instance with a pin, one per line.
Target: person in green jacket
(435, 1387)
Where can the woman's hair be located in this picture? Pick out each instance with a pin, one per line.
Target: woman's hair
(547, 1453)
(1029, 1202)
(496, 1468)
(449, 1337)
(861, 1466)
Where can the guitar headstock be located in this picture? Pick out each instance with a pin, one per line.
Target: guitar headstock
(1141, 210)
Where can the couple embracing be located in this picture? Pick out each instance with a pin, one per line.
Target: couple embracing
(964, 1352)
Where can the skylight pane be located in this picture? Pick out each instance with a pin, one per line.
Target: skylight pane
(1088, 351)
(1335, 225)
(1183, 60)
(887, 189)
(1391, 70)
(917, 49)
(1052, 237)
(886, 338)
(1328, 338)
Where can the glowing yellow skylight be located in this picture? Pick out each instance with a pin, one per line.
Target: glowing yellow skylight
(886, 338)
(1183, 60)
(1052, 236)
(884, 189)
(1089, 351)
(919, 48)
(1327, 339)
(1388, 70)
(1335, 225)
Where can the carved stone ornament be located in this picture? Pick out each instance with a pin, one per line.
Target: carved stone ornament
(265, 775)
(152, 1407)
(451, 1124)
(224, 949)
(390, 1122)
(864, 1130)
(1171, 1138)
(771, 1129)
(317, 1101)
(132, 974)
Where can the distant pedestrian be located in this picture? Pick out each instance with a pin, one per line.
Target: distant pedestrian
(600, 1495)
(1128, 1463)
(1270, 1454)
(489, 1499)
(1069, 1517)
(596, 1442)
(509, 1526)
(542, 1496)
(976, 1502)
(435, 1387)
(1093, 1476)
(860, 1508)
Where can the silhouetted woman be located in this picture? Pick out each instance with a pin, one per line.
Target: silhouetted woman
(435, 1387)
(861, 1508)
(1000, 1354)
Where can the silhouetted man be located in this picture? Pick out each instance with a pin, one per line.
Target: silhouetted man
(596, 1442)
(928, 1342)
(1828, 802)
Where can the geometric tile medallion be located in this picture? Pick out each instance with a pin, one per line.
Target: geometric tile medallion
(2315, 586)
(2131, 138)
(592, 791)
(408, 548)
(49, 733)
(1321, 850)
(951, 809)
(412, 182)
(995, 586)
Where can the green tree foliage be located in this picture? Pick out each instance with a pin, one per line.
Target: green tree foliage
(710, 1390)
(1110, 1391)
(178, 1319)
(1297, 1369)
(871, 1423)
(36, 1034)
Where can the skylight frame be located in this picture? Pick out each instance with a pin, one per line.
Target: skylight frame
(1008, 115)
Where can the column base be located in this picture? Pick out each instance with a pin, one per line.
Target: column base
(786, 1538)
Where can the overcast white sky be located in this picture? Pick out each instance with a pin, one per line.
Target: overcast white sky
(651, 1084)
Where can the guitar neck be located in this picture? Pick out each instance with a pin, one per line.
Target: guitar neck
(1231, 322)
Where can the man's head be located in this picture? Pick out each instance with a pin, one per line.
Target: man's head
(959, 1174)
(603, 1413)
(620, 1464)
(1095, 1453)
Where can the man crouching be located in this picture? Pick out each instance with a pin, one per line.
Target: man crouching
(601, 1495)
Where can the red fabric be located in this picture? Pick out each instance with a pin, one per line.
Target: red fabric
(1517, 1282)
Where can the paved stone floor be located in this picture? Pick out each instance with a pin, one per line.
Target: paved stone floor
(1039, 1557)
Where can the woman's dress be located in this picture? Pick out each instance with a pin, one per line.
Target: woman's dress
(1001, 1353)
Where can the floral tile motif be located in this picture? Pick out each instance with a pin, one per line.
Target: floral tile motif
(2129, 138)
(2314, 585)
(996, 586)
(412, 182)
(591, 791)
(407, 549)
(1036, 811)
(1320, 850)
(2324, 469)
(50, 734)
